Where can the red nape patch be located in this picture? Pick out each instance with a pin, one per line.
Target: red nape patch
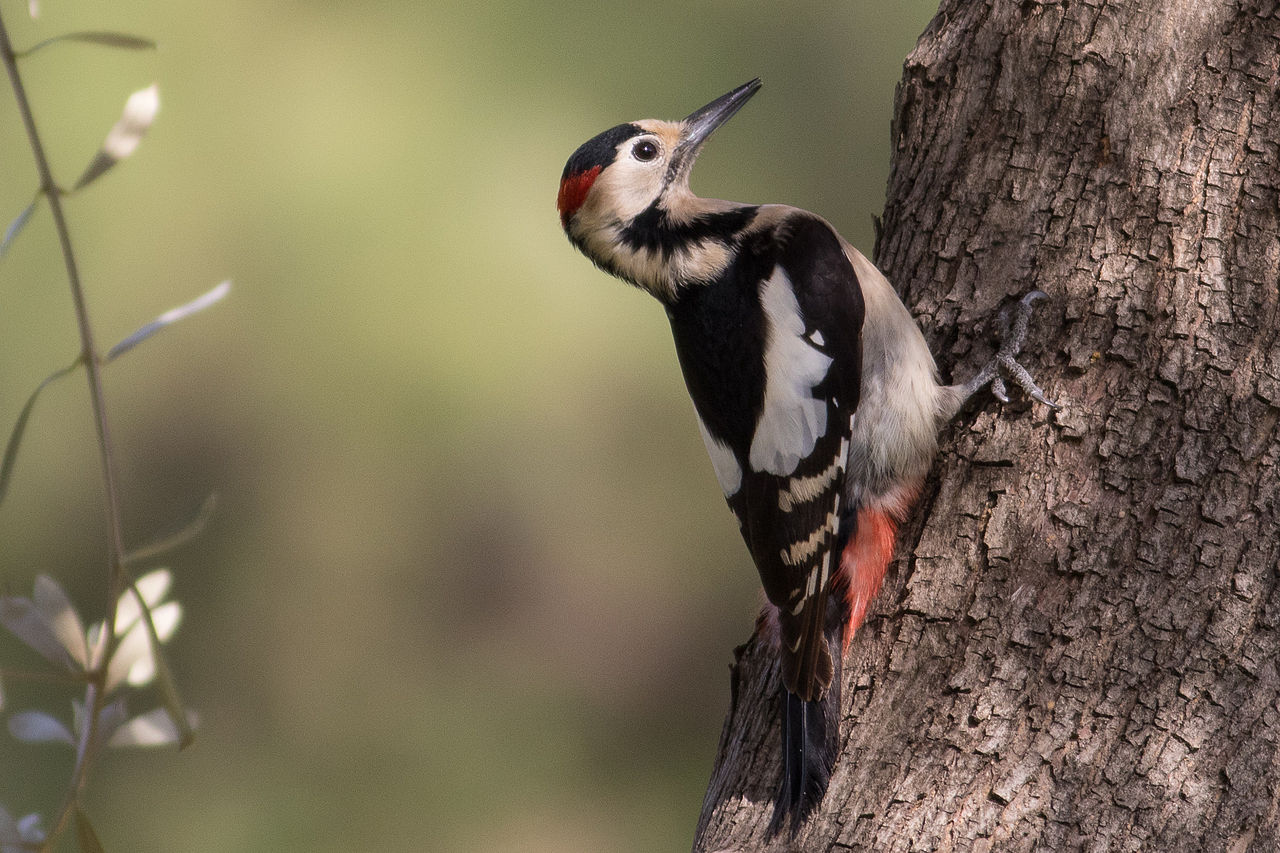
(573, 192)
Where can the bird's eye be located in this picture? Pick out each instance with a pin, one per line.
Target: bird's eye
(644, 150)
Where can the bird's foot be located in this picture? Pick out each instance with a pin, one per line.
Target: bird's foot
(1013, 334)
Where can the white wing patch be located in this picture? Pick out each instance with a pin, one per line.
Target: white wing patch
(792, 420)
(728, 471)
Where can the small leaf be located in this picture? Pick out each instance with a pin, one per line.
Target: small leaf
(31, 828)
(166, 617)
(20, 426)
(88, 839)
(39, 727)
(16, 225)
(134, 647)
(153, 586)
(125, 135)
(168, 543)
(120, 40)
(132, 658)
(25, 621)
(62, 618)
(153, 728)
(169, 317)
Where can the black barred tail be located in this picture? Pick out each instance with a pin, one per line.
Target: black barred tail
(810, 745)
(811, 729)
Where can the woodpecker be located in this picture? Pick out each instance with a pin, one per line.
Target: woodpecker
(815, 393)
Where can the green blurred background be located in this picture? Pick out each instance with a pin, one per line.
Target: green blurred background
(471, 584)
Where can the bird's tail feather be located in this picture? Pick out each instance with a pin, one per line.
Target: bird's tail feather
(810, 745)
(811, 729)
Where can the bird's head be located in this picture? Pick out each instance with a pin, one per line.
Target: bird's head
(633, 169)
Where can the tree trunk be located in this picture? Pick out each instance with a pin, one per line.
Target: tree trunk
(1077, 647)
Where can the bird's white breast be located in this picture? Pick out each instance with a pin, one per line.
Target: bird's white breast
(895, 433)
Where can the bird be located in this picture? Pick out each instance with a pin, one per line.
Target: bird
(815, 393)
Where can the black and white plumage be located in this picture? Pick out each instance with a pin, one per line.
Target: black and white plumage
(815, 393)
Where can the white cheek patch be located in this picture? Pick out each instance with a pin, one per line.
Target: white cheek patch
(634, 193)
(728, 471)
(792, 420)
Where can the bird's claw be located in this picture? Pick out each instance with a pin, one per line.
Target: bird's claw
(1013, 334)
(1024, 379)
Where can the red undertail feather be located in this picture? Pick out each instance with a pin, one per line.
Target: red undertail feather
(864, 561)
(573, 192)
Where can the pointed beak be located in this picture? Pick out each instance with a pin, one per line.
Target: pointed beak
(701, 123)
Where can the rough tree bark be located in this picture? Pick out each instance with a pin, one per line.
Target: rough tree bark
(1077, 647)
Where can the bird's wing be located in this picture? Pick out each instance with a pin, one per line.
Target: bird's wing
(790, 506)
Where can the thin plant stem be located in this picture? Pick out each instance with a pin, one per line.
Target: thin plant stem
(93, 367)
(116, 549)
